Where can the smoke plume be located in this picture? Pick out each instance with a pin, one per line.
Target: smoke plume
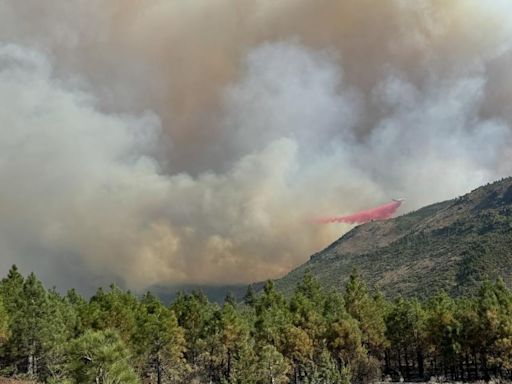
(169, 142)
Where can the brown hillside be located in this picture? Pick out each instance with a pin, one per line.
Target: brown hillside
(452, 245)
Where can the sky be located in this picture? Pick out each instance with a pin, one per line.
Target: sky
(169, 142)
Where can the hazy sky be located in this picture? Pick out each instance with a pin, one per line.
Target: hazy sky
(172, 141)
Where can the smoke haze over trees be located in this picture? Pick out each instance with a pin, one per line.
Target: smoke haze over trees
(171, 142)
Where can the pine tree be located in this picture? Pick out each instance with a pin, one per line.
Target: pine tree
(298, 348)
(80, 308)
(11, 289)
(62, 322)
(114, 309)
(273, 367)
(444, 333)
(228, 336)
(494, 309)
(406, 329)
(366, 309)
(159, 341)
(30, 325)
(194, 314)
(249, 298)
(230, 299)
(305, 338)
(39, 326)
(4, 323)
(272, 316)
(325, 370)
(344, 340)
(307, 307)
(100, 357)
(470, 338)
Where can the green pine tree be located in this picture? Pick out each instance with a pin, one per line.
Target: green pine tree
(159, 342)
(4, 322)
(368, 311)
(100, 357)
(11, 289)
(114, 309)
(37, 330)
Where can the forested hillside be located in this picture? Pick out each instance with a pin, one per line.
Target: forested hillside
(316, 336)
(453, 245)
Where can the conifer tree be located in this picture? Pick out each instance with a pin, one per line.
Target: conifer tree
(307, 306)
(34, 328)
(62, 324)
(228, 338)
(159, 341)
(298, 348)
(194, 314)
(305, 337)
(366, 309)
(344, 340)
(273, 367)
(324, 370)
(272, 316)
(11, 289)
(114, 309)
(100, 357)
(80, 308)
(249, 298)
(494, 338)
(469, 337)
(406, 330)
(444, 331)
(4, 322)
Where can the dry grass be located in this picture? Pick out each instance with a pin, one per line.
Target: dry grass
(14, 381)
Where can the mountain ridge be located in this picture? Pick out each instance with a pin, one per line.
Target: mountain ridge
(451, 245)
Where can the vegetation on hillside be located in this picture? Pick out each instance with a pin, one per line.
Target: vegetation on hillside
(315, 336)
(453, 245)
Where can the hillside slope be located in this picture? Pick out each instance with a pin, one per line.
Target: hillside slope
(452, 245)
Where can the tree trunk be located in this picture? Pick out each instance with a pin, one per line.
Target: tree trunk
(406, 356)
(30, 365)
(228, 374)
(399, 362)
(468, 368)
(475, 363)
(484, 366)
(99, 377)
(419, 356)
(272, 380)
(158, 372)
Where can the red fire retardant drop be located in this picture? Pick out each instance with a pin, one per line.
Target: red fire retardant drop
(381, 212)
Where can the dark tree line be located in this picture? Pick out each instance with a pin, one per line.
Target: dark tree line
(316, 336)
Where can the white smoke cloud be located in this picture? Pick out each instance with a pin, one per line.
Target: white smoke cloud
(288, 90)
(65, 167)
(435, 134)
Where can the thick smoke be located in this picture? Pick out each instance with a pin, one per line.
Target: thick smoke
(168, 142)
